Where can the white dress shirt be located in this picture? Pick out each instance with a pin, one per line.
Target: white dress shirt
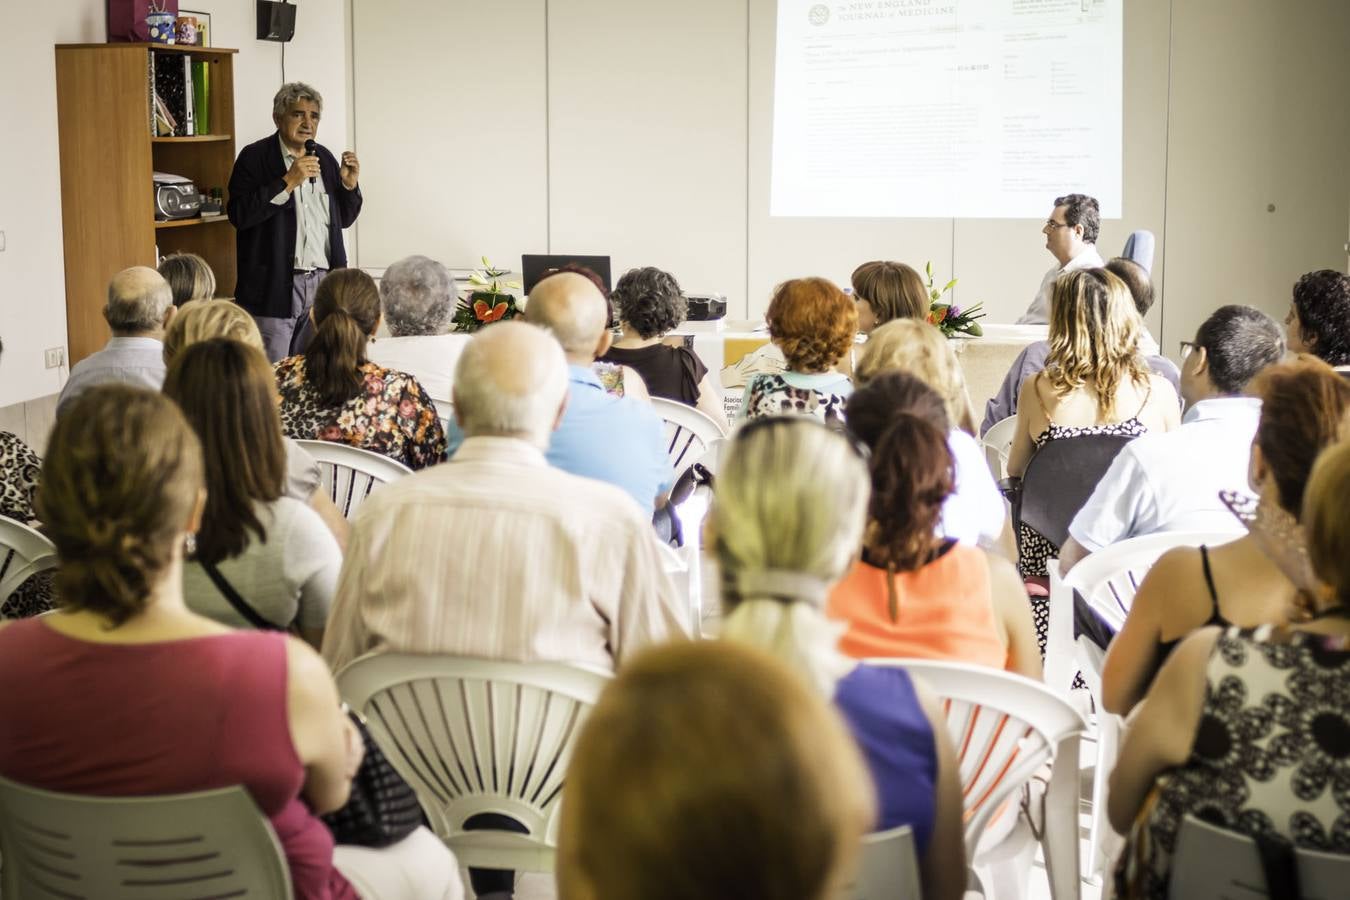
(312, 217)
(430, 358)
(1038, 313)
(137, 361)
(497, 555)
(1170, 481)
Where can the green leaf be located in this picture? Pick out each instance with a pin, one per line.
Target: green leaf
(475, 278)
(929, 268)
(951, 284)
(486, 264)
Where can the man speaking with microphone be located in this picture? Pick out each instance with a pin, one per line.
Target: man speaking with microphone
(289, 201)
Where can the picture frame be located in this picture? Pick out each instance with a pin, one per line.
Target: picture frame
(203, 25)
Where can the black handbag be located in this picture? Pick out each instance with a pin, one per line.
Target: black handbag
(382, 808)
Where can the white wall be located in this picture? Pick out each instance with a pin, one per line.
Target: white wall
(652, 144)
(32, 289)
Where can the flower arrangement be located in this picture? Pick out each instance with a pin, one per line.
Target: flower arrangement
(490, 301)
(948, 317)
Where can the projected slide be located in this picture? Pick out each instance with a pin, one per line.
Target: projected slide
(945, 108)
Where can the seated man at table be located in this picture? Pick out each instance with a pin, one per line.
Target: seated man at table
(497, 554)
(1003, 405)
(1170, 481)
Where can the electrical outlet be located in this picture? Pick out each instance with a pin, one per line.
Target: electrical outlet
(56, 357)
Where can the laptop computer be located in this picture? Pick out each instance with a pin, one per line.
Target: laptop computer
(533, 266)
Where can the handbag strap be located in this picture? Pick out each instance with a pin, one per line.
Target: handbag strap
(240, 605)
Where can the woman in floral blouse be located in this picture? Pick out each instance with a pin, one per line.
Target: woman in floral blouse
(334, 393)
(19, 468)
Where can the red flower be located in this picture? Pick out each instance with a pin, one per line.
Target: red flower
(486, 314)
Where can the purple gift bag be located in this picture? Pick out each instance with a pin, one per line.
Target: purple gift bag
(126, 18)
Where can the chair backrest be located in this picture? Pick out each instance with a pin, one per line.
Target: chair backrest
(689, 434)
(1004, 728)
(349, 474)
(888, 868)
(206, 844)
(1212, 863)
(1109, 578)
(997, 444)
(1059, 479)
(1139, 248)
(24, 552)
(478, 736)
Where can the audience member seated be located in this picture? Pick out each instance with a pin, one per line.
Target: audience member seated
(1171, 481)
(915, 593)
(1303, 406)
(791, 503)
(1071, 238)
(501, 555)
(650, 303)
(813, 323)
(1248, 729)
(125, 692)
(620, 440)
(332, 392)
(1033, 357)
(1094, 382)
(1319, 318)
(19, 469)
(140, 306)
(196, 322)
(189, 277)
(420, 297)
(884, 291)
(975, 512)
(618, 380)
(709, 770)
(262, 559)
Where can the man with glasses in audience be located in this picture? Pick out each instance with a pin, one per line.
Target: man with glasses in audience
(1071, 237)
(1170, 481)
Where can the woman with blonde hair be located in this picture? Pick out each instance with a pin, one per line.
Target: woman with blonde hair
(709, 770)
(124, 691)
(975, 512)
(813, 323)
(333, 392)
(199, 321)
(189, 277)
(787, 516)
(884, 291)
(1249, 728)
(1095, 382)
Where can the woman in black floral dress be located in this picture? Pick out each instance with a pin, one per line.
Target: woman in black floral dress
(19, 468)
(1250, 730)
(334, 393)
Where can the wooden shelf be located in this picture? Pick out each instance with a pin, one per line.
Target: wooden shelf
(184, 223)
(167, 48)
(195, 139)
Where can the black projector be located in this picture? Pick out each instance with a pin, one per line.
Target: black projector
(706, 307)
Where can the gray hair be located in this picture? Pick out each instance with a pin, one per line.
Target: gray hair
(189, 277)
(510, 381)
(291, 93)
(138, 300)
(419, 297)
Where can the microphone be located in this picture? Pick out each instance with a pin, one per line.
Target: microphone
(310, 150)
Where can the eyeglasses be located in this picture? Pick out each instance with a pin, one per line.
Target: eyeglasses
(1186, 348)
(1051, 223)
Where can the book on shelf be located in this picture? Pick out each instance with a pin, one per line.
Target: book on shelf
(201, 95)
(171, 76)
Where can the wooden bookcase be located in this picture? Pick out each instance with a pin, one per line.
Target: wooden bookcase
(107, 157)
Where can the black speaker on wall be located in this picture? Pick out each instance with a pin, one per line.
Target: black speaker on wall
(276, 21)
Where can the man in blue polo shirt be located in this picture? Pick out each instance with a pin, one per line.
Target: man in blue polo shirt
(615, 439)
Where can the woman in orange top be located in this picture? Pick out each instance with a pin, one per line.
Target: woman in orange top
(913, 593)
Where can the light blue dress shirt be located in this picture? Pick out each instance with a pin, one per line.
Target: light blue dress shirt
(612, 439)
(123, 360)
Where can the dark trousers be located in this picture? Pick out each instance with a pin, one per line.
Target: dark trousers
(499, 882)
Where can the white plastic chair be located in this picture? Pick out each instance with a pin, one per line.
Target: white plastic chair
(206, 844)
(689, 433)
(1005, 729)
(24, 552)
(1212, 863)
(888, 868)
(997, 443)
(1107, 580)
(349, 474)
(478, 736)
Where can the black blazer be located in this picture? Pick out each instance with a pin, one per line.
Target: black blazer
(265, 232)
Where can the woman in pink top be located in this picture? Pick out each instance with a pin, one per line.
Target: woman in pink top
(913, 593)
(124, 692)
